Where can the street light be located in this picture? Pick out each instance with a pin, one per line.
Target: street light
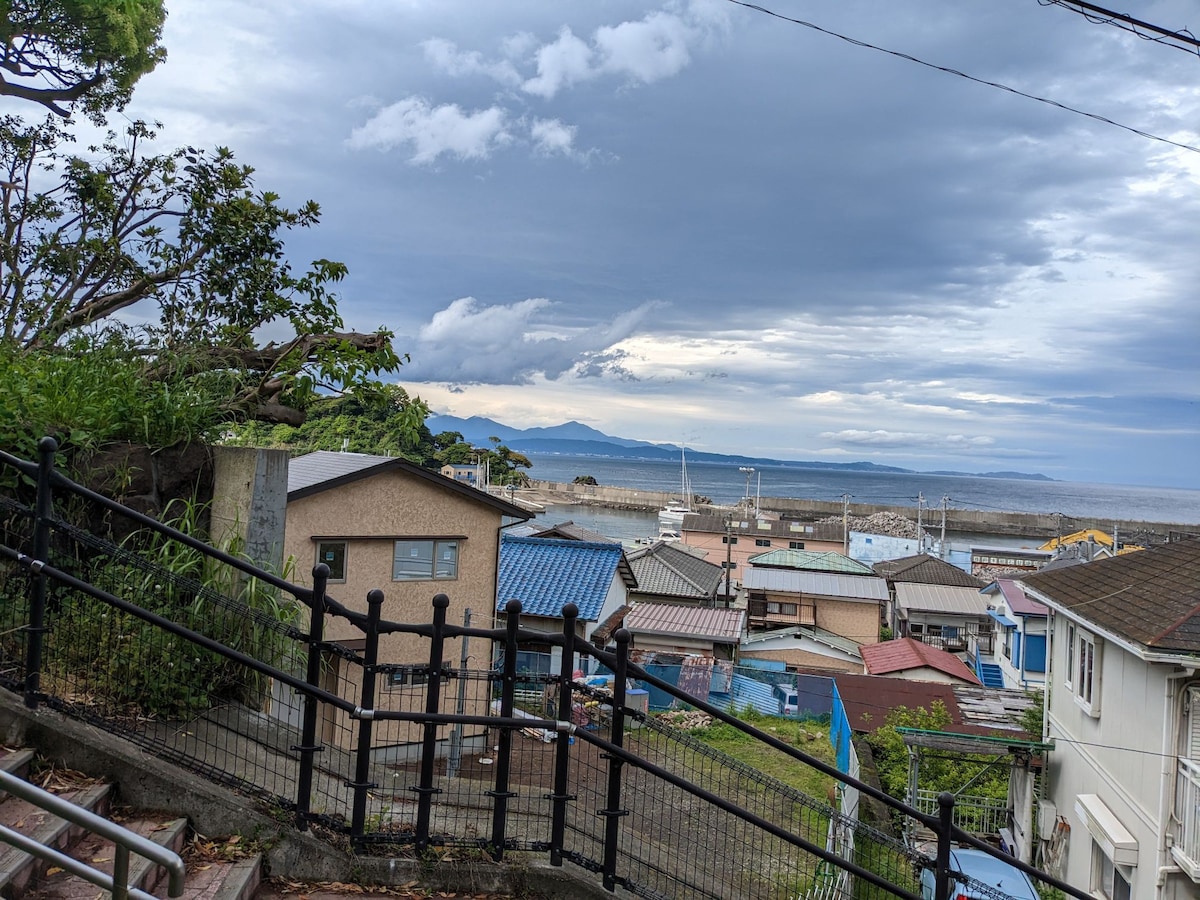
(749, 471)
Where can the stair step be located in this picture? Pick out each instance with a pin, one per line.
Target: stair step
(15, 762)
(225, 880)
(99, 853)
(18, 868)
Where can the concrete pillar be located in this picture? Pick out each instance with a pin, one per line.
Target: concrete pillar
(250, 502)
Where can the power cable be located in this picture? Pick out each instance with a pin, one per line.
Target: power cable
(1098, 15)
(949, 71)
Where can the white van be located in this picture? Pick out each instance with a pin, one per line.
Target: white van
(789, 700)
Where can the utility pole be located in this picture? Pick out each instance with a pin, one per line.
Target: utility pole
(728, 555)
(942, 551)
(846, 524)
(920, 532)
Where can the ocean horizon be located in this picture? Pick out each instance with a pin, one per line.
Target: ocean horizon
(1091, 504)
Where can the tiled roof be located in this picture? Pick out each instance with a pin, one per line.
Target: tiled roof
(907, 653)
(681, 620)
(1014, 597)
(570, 531)
(812, 561)
(604, 631)
(941, 598)
(665, 570)
(748, 526)
(925, 569)
(324, 470)
(1151, 597)
(824, 584)
(546, 574)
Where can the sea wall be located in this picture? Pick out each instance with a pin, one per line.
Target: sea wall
(958, 521)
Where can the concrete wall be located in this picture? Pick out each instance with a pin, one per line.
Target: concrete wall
(250, 502)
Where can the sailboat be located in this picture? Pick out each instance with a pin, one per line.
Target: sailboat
(670, 517)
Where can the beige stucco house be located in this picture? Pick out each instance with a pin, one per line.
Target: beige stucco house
(388, 524)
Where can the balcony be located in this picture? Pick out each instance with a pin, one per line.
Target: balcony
(1186, 820)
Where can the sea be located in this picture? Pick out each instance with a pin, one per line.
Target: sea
(721, 483)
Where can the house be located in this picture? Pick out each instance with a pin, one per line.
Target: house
(385, 523)
(685, 630)
(802, 648)
(1018, 654)
(916, 661)
(846, 605)
(810, 561)
(1123, 709)
(920, 568)
(665, 572)
(546, 574)
(732, 539)
(469, 475)
(944, 616)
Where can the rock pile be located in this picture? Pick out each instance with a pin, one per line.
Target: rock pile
(686, 720)
(887, 523)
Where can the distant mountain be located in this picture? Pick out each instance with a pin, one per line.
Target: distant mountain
(577, 439)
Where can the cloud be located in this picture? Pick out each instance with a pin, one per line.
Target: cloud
(551, 136)
(561, 64)
(469, 342)
(432, 131)
(445, 55)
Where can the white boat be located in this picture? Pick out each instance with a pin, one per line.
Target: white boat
(670, 517)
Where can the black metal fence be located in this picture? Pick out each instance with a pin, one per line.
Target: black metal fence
(206, 660)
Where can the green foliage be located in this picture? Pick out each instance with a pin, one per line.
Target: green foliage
(129, 666)
(385, 421)
(585, 479)
(58, 52)
(502, 463)
(939, 771)
(187, 234)
(91, 391)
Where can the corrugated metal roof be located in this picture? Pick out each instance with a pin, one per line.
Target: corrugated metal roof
(850, 587)
(963, 601)
(546, 574)
(687, 621)
(907, 653)
(812, 561)
(326, 465)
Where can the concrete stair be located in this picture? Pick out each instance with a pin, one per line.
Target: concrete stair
(213, 873)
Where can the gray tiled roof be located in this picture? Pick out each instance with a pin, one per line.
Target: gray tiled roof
(925, 569)
(665, 570)
(1151, 597)
(316, 468)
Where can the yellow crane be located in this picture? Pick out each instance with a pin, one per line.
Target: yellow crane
(1088, 534)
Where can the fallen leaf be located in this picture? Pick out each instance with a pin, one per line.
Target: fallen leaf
(100, 859)
(53, 870)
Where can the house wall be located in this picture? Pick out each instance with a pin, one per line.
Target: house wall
(1124, 756)
(370, 514)
(714, 548)
(806, 659)
(858, 621)
(1018, 676)
(922, 673)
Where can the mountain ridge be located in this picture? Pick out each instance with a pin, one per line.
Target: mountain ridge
(576, 439)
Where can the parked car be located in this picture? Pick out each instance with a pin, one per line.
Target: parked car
(789, 700)
(997, 877)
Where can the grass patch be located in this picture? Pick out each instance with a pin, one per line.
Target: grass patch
(810, 737)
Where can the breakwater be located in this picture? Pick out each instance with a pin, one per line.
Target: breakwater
(958, 521)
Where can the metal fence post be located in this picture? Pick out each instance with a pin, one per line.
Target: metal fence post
(613, 810)
(308, 746)
(945, 829)
(454, 763)
(562, 751)
(426, 790)
(362, 772)
(36, 629)
(508, 687)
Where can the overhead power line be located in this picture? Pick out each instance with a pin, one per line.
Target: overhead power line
(992, 84)
(1181, 39)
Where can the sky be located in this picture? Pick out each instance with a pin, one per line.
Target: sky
(698, 223)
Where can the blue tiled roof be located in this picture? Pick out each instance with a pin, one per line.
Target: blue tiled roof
(546, 574)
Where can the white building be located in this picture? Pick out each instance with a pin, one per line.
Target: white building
(1123, 709)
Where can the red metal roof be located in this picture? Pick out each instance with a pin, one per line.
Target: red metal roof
(908, 653)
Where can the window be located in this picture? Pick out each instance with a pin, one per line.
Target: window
(333, 554)
(916, 628)
(795, 545)
(1109, 880)
(424, 560)
(762, 542)
(728, 565)
(408, 676)
(782, 609)
(1083, 669)
(725, 539)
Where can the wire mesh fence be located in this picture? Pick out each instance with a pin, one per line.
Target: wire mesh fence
(219, 667)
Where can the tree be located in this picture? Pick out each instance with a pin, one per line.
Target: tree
(58, 52)
(186, 233)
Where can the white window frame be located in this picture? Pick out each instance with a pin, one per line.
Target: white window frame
(1088, 655)
(1110, 880)
(1069, 668)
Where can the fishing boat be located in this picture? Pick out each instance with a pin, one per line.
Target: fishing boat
(670, 517)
